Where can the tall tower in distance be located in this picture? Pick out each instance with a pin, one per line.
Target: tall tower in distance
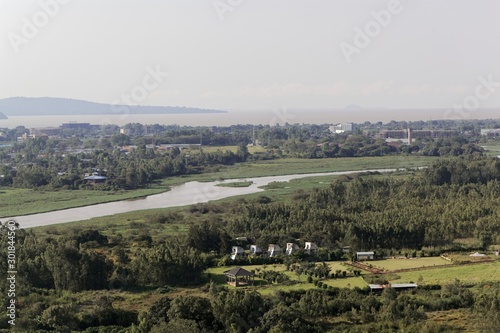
(409, 136)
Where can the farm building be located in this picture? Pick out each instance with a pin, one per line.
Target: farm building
(365, 255)
(255, 250)
(274, 250)
(236, 252)
(239, 277)
(291, 248)
(396, 286)
(94, 179)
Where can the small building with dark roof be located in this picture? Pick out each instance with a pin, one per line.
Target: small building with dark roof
(239, 277)
(94, 179)
(396, 286)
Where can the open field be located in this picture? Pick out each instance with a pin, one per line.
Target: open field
(300, 282)
(395, 264)
(492, 148)
(127, 224)
(476, 273)
(299, 166)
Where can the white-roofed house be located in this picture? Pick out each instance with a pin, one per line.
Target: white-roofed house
(365, 255)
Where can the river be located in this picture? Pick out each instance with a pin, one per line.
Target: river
(180, 195)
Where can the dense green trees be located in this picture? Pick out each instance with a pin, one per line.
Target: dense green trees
(387, 213)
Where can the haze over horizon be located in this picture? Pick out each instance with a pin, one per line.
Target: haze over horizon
(241, 55)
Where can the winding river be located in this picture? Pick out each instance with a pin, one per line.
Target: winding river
(181, 195)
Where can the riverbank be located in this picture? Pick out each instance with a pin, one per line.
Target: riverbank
(182, 195)
(21, 202)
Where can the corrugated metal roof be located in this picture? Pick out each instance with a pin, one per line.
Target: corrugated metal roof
(238, 271)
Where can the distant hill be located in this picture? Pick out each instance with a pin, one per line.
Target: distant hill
(353, 107)
(48, 106)
(2, 116)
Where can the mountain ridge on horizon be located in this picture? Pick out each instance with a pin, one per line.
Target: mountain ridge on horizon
(55, 106)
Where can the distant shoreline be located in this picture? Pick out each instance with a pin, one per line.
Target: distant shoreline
(49, 106)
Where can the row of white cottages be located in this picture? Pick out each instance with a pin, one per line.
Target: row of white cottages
(273, 250)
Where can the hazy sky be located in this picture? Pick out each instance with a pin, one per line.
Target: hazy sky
(254, 54)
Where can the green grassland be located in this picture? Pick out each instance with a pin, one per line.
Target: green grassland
(492, 148)
(477, 273)
(396, 264)
(300, 166)
(469, 274)
(216, 274)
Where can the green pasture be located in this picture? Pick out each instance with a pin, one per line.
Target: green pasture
(477, 273)
(492, 148)
(157, 223)
(395, 264)
(298, 282)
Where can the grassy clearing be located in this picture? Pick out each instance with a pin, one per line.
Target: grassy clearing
(395, 264)
(298, 282)
(127, 224)
(492, 148)
(300, 166)
(476, 273)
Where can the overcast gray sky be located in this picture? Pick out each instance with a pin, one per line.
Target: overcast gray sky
(254, 54)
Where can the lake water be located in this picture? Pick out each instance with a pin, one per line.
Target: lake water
(255, 117)
(181, 195)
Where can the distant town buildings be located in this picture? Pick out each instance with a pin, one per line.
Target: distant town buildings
(341, 128)
(490, 132)
(78, 126)
(409, 135)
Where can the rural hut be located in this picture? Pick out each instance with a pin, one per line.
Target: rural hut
(365, 255)
(239, 277)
